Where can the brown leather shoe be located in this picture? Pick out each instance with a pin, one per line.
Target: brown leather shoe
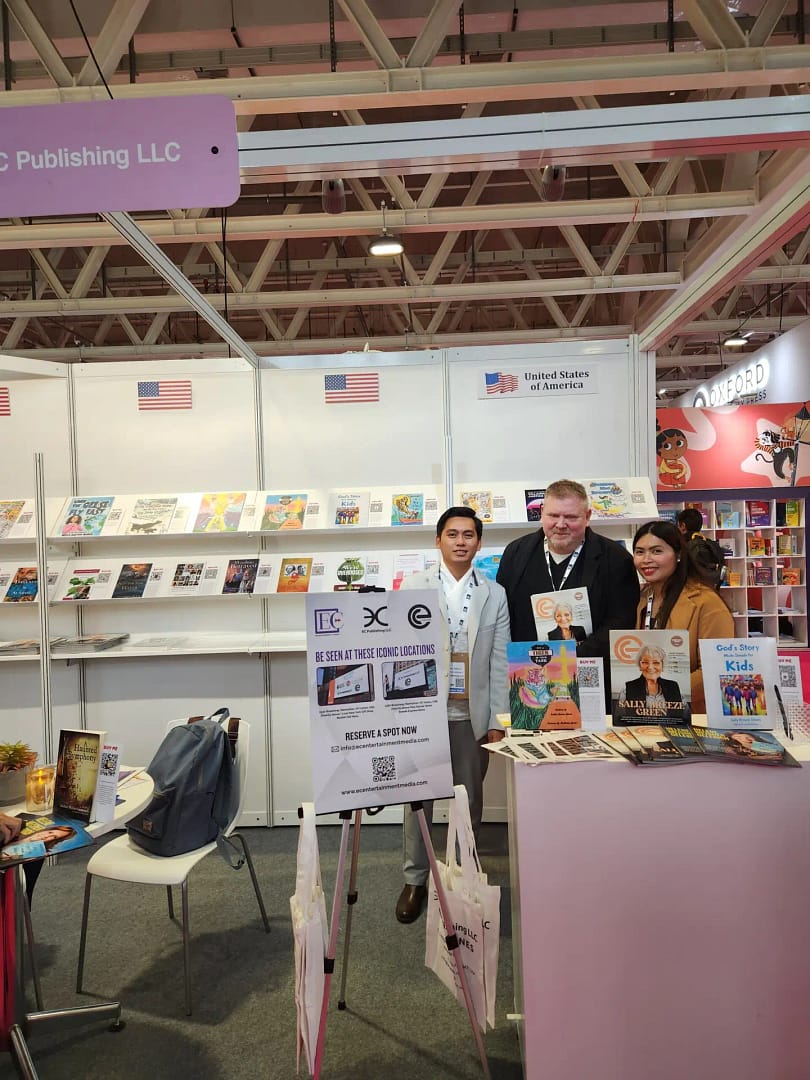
(411, 901)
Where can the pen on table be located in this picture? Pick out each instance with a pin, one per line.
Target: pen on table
(785, 722)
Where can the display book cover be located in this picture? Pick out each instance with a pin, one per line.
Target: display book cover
(741, 683)
(44, 834)
(674, 744)
(543, 688)
(86, 515)
(77, 768)
(650, 678)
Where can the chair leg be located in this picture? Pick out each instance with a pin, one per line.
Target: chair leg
(186, 957)
(253, 878)
(88, 881)
(29, 933)
(171, 901)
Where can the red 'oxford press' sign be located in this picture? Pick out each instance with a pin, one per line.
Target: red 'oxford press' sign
(150, 154)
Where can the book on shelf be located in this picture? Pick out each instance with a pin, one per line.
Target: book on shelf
(42, 835)
(10, 510)
(295, 574)
(87, 642)
(733, 578)
(788, 512)
(132, 581)
(480, 502)
(77, 765)
(534, 502)
(408, 508)
(406, 564)
(668, 513)
(187, 578)
(726, 516)
(788, 575)
(543, 689)
(22, 588)
(763, 575)
(20, 647)
(739, 680)
(348, 508)
(219, 511)
(85, 516)
(757, 512)
(81, 582)
(240, 576)
(728, 546)
(787, 544)
(757, 546)
(283, 512)
(152, 516)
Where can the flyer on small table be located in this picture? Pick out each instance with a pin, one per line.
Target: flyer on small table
(741, 682)
(649, 675)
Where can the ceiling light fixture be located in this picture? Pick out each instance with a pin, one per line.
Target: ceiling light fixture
(385, 243)
(737, 339)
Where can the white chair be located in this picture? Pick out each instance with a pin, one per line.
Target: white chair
(121, 860)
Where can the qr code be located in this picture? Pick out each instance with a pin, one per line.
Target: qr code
(588, 676)
(787, 676)
(108, 765)
(383, 768)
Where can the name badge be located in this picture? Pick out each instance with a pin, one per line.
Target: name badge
(459, 676)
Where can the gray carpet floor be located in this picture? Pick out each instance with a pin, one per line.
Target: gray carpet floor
(400, 1022)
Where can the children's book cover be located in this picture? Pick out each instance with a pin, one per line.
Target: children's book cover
(294, 575)
(741, 682)
(220, 512)
(44, 834)
(543, 690)
(240, 576)
(283, 512)
(534, 502)
(408, 508)
(132, 581)
(10, 510)
(152, 516)
(77, 772)
(22, 588)
(480, 502)
(86, 516)
(650, 676)
(348, 508)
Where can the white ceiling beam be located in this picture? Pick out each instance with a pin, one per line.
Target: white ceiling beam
(424, 49)
(367, 223)
(113, 39)
(379, 48)
(461, 84)
(766, 21)
(41, 43)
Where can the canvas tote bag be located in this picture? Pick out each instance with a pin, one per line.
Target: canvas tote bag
(311, 937)
(475, 911)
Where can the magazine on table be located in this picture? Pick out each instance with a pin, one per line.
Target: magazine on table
(44, 834)
(650, 679)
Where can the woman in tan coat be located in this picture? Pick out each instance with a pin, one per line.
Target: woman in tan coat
(675, 598)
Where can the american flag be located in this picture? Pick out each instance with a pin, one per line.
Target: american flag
(5, 401)
(497, 383)
(362, 386)
(164, 394)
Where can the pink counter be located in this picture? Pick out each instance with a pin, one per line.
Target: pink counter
(661, 921)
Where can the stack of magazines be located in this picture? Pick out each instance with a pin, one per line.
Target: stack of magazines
(664, 744)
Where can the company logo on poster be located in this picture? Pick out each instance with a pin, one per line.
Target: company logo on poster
(547, 380)
(327, 620)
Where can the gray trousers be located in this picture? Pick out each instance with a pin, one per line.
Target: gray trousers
(469, 762)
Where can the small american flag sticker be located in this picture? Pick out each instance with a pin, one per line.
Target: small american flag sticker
(164, 394)
(357, 386)
(5, 401)
(498, 383)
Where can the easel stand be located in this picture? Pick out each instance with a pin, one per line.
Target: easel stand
(45, 1019)
(351, 899)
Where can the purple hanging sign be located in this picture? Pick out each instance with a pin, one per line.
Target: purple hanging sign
(144, 154)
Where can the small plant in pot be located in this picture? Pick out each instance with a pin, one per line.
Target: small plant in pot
(15, 760)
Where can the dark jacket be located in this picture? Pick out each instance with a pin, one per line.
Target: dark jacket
(607, 571)
(557, 635)
(635, 694)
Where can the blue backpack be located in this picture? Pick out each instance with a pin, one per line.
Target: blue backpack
(196, 789)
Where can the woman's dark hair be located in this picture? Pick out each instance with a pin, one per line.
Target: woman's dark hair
(684, 568)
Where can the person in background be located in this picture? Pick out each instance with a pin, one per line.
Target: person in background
(566, 554)
(474, 674)
(674, 596)
(707, 555)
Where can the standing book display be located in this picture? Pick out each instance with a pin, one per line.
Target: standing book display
(77, 766)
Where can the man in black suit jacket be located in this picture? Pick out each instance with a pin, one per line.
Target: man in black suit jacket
(566, 554)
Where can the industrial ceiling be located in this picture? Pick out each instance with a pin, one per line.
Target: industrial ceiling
(681, 241)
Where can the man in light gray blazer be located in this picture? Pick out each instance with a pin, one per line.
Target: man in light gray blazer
(472, 672)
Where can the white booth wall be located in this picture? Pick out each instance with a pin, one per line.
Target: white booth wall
(272, 429)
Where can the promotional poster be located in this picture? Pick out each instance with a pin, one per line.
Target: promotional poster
(649, 675)
(378, 706)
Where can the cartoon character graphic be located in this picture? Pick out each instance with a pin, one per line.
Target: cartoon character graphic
(776, 447)
(673, 469)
